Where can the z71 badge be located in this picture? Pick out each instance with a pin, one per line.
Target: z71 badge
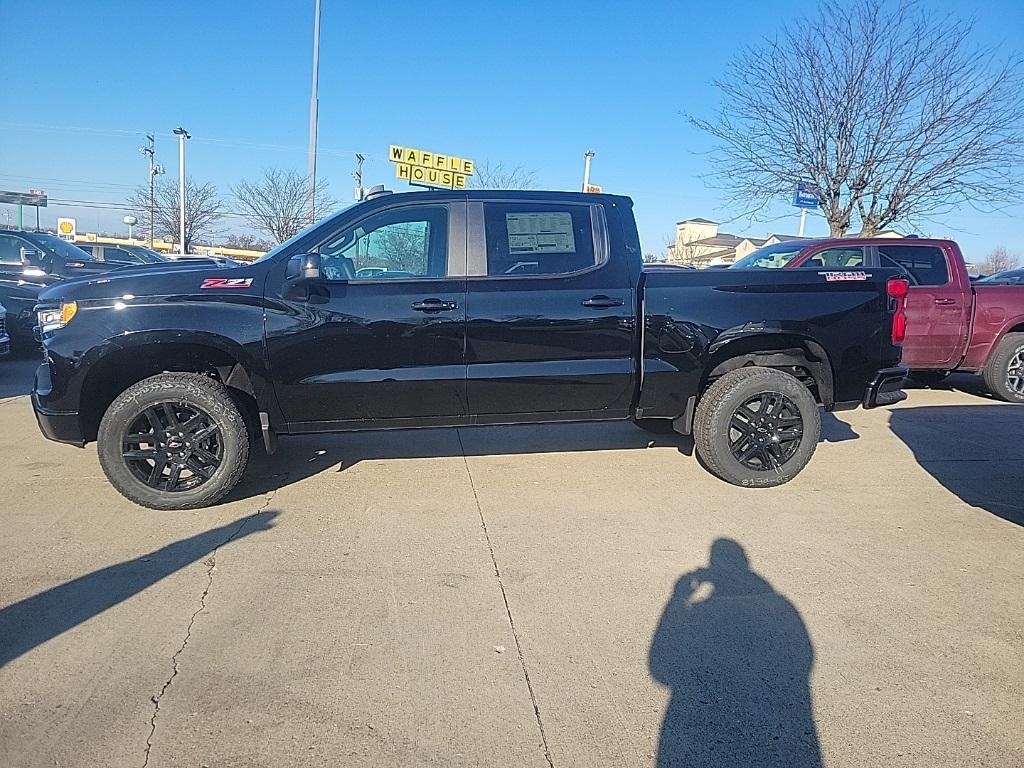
(833, 277)
(227, 282)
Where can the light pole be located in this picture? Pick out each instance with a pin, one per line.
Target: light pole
(587, 156)
(182, 134)
(312, 112)
(154, 170)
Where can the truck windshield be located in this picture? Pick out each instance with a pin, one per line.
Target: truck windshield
(769, 257)
(62, 248)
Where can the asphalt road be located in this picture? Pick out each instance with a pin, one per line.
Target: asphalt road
(534, 596)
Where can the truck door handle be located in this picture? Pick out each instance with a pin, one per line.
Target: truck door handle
(945, 302)
(434, 305)
(601, 302)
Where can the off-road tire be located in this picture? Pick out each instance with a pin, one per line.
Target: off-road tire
(996, 372)
(721, 401)
(186, 389)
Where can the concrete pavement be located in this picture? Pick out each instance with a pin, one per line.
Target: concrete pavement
(579, 595)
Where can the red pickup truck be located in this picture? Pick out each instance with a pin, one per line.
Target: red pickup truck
(952, 324)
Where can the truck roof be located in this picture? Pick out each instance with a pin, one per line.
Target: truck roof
(506, 194)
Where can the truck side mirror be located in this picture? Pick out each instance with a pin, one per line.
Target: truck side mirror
(304, 267)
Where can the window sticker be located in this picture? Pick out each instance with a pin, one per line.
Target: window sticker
(540, 232)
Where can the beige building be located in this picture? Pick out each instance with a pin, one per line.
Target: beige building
(699, 243)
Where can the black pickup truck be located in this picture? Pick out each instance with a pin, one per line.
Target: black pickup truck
(457, 308)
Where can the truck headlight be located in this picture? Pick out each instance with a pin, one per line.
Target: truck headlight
(55, 318)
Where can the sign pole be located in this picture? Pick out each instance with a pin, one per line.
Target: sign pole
(803, 220)
(587, 156)
(21, 217)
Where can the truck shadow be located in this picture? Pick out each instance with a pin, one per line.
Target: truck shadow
(737, 659)
(967, 383)
(303, 456)
(971, 450)
(17, 372)
(33, 621)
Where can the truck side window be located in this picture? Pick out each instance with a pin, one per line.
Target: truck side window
(925, 263)
(836, 258)
(10, 250)
(398, 243)
(538, 238)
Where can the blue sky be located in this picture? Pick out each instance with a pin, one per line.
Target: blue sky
(531, 83)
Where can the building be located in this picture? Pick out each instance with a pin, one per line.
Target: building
(699, 243)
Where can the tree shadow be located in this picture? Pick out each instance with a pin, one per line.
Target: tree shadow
(302, 456)
(971, 450)
(737, 658)
(33, 621)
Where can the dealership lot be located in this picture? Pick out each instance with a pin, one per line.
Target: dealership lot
(524, 596)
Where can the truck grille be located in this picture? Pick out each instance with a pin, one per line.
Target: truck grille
(3, 326)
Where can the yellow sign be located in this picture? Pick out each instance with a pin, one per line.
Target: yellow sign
(430, 169)
(67, 228)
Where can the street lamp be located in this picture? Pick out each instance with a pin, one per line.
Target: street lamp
(587, 157)
(313, 101)
(182, 134)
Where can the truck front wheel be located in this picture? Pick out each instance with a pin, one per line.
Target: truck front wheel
(756, 427)
(173, 441)
(1004, 373)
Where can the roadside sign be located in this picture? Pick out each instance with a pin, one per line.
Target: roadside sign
(596, 189)
(32, 197)
(806, 195)
(67, 229)
(430, 169)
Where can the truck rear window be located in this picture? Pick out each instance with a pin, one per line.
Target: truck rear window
(926, 264)
(538, 238)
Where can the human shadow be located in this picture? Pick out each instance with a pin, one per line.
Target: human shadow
(971, 450)
(302, 456)
(737, 658)
(33, 621)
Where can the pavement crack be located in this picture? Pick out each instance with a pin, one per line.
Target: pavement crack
(508, 609)
(211, 569)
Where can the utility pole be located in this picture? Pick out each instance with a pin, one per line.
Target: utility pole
(358, 176)
(587, 157)
(312, 112)
(182, 134)
(803, 220)
(154, 170)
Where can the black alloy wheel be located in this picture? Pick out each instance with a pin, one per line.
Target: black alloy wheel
(173, 447)
(765, 431)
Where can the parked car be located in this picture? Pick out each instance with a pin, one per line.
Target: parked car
(1008, 277)
(175, 369)
(26, 254)
(952, 323)
(128, 254)
(5, 340)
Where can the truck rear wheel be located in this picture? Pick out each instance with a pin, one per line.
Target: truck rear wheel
(756, 427)
(174, 441)
(1004, 373)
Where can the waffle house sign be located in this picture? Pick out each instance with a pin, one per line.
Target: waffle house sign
(430, 169)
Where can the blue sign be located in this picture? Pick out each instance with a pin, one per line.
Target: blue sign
(806, 195)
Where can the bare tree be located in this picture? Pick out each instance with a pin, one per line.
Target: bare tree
(278, 204)
(888, 108)
(496, 176)
(203, 209)
(998, 260)
(248, 243)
